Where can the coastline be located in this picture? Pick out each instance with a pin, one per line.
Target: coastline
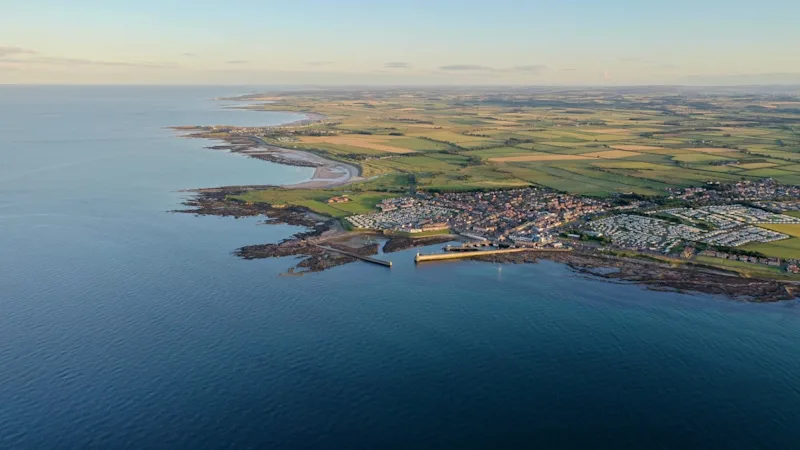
(328, 173)
(652, 275)
(328, 230)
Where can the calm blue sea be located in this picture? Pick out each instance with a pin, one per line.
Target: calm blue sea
(125, 326)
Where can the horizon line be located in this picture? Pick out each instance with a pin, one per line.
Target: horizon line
(396, 85)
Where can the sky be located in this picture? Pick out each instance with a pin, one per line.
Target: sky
(408, 42)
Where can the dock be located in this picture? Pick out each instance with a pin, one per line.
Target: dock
(453, 248)
(368, 259)
(460, 255)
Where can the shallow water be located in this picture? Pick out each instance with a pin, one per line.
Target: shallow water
(125, 326)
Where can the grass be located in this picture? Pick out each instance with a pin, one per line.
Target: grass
(785, 248)
(745, 269)
(418, 235)
(792, 229)
(316, 200)
(698, 157)
(750, 166)
(582, 142)
(500, 152)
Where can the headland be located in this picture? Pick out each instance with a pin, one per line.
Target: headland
(668, 200)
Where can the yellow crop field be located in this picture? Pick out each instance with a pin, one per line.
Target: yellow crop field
(633, 165)
(636, 148)
(567, 144)
(792, 229)
(421, 125)
(590, 137)
(610, 154)
(712, 150)
(756, 165)
(450, 136)
(538, 157)
(369, 142)
(608, 131)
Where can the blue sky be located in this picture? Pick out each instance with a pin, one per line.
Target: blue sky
(399, 42)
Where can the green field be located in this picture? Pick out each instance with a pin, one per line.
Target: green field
(593, 142)
(699, 157)
(746, 269)
(316, 200)
(786, 248)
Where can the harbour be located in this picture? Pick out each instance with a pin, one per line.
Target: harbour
(461, 254)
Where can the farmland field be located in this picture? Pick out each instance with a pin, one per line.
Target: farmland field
(786, 248)
(596, 142)
(746, 269)
(372, 143)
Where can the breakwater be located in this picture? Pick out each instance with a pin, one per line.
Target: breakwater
(356, 255)
(460, 255)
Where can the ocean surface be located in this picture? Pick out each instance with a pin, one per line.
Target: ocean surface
(124, 326)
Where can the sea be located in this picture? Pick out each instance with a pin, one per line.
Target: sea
(126, 326)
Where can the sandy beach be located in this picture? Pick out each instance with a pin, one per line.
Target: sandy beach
(328, 173)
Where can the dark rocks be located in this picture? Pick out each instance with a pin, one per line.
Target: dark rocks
(398, 243)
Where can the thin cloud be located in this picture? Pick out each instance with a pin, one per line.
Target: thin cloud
(72, 62)
(7, 51)
(465, 68)
(397, 65)
(533, 68)
(188, 54)
(569, 70)
(320, 63)
(236, 61)
(530, 69)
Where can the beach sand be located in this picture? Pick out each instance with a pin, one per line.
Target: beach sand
(328, 173)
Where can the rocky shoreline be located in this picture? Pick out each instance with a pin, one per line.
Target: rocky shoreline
(661, 277)
(323, 232)
(400, 243)
(310, 247)
(215, 202)
(251, 147)
(328, 173)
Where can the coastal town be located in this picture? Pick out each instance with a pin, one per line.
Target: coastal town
(520, 215)
(693, 201)
(540, 218)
